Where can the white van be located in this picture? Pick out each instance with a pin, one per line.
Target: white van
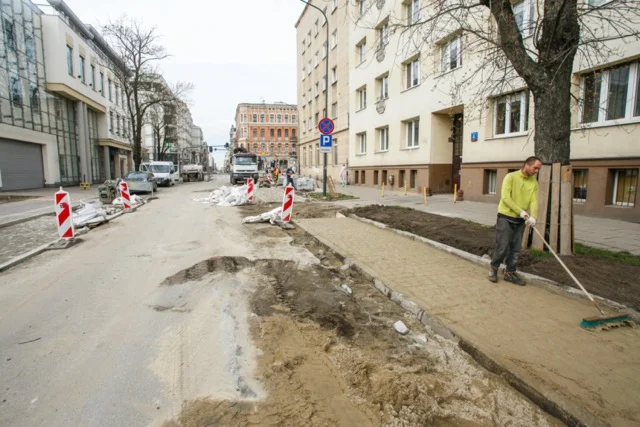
(164, 172)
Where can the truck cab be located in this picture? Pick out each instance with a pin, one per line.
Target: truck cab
(244, 166)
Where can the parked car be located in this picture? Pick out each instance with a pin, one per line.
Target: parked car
(141, 182)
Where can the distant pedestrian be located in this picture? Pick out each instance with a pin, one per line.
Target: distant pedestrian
(276, 175)
(518, 207)
(343, 175)
(290, 173)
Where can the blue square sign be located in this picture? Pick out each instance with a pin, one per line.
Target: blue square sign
(326, 141)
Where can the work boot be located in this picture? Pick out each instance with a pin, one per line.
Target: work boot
(493, 275)
(511, 276)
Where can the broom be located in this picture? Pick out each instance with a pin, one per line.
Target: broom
(594, 322)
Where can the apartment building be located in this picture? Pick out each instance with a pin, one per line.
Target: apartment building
(96, 143)
(270, 130)
(315, 87)
(407, 127)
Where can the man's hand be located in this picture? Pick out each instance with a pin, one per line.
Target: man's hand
(524, 215)
(530, 221)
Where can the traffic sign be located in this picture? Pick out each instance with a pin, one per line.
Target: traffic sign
(326, 141)
(326, 126)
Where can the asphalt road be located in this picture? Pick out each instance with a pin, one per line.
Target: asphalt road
(90, 337)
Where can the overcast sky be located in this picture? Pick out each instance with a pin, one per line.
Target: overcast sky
(233, 51)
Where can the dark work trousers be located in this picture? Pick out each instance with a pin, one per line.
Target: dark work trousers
(290, 181)
(508, 243)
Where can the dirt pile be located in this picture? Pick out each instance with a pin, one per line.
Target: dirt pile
(607, 278)
(333, 358)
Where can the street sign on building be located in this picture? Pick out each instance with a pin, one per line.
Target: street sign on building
(326, 141)
(326, 126)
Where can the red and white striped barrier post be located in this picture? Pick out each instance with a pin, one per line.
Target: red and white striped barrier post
(63, 215)
(124, 193)
(270, 178)
(287, 203)
(250, 188)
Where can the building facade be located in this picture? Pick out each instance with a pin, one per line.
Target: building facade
(410, 125)
(269, 130)
(313, 52)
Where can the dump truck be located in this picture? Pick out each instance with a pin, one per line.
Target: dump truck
(192, 173)
(244, 166)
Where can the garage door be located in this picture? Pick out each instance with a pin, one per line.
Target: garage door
(20, 165)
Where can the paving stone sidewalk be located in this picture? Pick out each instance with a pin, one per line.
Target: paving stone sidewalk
(24, 237)
(530, 331)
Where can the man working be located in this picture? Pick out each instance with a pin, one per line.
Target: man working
(290, 173)
(519, 194)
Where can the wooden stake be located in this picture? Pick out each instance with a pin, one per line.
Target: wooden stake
(382, 195)
(405, 188)
(455, 192)
(544, 178)
(555, 206)
(424, 191)
(566, 203)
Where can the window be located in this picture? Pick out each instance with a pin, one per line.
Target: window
(413, 178)
(255, 134)
(324, 82)
(262, 133)
(383, 138)
(362, 142)
(334, 110)
(304, 46)
(325, 50)
(315, 28)
(254, 118)
(117, 88)
(316, 60)
(30, 48)
(383, 34)
(334, 39)
(316, 91)
(361, 7)
(490, 179)
(286, 118)
(625, 187)
(412, 73)
(317, 119)
(35, 99)
(324, 22)
(361, 49)
(334, 75)
(524, 14)
(279, 118)
(17, 94)
(9, 34)
(451, 56)
(412, 130)
(293, 133)
(109, 89)
(413, 11)
(272, 134)
(309, 68)
(334, 5)
(293, 118)
(262, 118)
(111, 121)
(383, 87)
(511, 113)
(335, 151)
(580, 178)
(117, 124)
(102, 83)
(82, 70)
(70, 60)
(286, 133)
(596, 3)
(279, 133)
(271, 117)
(361, 96)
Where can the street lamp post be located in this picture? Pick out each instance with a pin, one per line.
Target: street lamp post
(326, 93)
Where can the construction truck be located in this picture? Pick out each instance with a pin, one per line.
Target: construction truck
(244, 166)
(192, 173)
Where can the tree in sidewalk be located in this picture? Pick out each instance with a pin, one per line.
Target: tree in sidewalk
(143, 86)
(517, 45)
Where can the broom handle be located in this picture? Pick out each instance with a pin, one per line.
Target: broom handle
(568, 271)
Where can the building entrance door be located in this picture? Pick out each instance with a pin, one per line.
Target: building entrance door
(456, 136)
